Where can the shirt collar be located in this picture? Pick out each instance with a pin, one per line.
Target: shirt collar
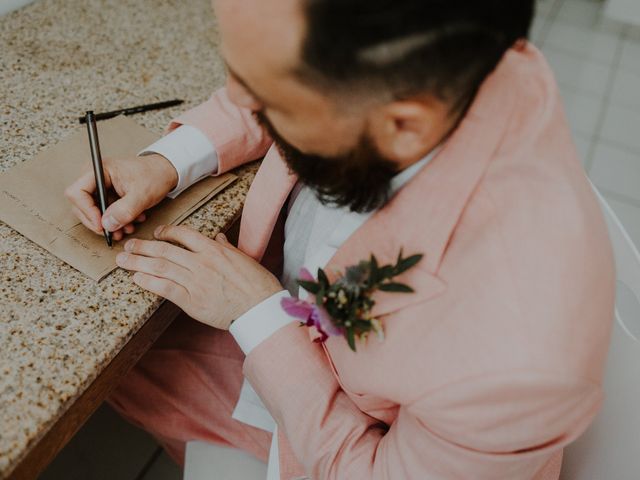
(408, 173)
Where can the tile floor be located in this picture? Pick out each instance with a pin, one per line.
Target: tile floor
(597, 64)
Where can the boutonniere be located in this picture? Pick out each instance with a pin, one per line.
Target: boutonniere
(344, 306)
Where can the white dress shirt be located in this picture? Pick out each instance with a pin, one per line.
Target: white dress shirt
(313, 234)
(190, 152)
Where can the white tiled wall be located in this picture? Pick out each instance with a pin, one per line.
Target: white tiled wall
(597, 64)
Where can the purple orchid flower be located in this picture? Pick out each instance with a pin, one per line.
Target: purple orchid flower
(312, 316)
(323, 322)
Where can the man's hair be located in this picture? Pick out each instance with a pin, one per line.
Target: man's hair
(404, 48)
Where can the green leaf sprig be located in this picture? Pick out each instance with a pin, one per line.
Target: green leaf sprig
(348, 301)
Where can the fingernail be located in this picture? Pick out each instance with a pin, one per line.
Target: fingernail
(129, 246)
(121, 258)
(109, 223)
(158, 231)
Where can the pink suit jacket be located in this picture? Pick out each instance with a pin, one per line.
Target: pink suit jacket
(495, 363)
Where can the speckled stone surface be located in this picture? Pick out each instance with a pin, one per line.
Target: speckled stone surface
(59, 58)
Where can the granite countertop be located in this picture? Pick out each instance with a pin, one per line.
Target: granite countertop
(59, 58)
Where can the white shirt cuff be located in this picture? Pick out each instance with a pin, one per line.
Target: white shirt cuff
(190, 152)
(260, 322)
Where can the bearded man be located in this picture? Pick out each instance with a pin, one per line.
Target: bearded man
(425, 127)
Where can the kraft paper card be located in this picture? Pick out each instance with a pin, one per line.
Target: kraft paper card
(32, 197)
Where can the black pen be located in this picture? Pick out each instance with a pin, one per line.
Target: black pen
(132, 110)
(98, 171)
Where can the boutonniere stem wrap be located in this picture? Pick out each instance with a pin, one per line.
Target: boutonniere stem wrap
(344, 306)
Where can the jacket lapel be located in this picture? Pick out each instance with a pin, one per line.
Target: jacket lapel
(265, 200)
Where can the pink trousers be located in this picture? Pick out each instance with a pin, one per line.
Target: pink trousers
(186, 387)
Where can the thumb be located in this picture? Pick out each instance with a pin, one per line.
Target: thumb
(122, 212)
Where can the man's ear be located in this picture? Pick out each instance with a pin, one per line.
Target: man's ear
(406, 130)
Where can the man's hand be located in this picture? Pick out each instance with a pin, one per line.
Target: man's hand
(141, 182)
(211, 280)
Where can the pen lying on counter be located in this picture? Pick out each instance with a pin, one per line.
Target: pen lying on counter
(132, 110)
(98, 171)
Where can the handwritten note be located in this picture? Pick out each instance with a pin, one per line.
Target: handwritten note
(32, 197)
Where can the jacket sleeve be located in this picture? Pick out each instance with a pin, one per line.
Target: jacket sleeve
(507, 425)
(233, 131)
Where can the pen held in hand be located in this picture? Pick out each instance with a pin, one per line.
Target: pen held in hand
(98, 171)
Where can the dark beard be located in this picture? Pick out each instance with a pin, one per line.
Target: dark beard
(359, 180)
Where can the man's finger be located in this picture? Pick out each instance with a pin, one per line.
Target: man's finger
(222, 238)
(162, 287)
(122, 212)
(190, 238)
(151, 248)
(228, 247)
(158, 267)
(80, 194)
(91, 225)
(141, 218)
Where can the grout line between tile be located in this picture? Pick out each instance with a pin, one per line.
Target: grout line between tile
(568, 88)
(606, 101)
(548, 22)
(555, 9)
(620, 197)
(578, 55)
(620, 146)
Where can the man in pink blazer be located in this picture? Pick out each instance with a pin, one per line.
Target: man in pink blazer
(495, 362)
